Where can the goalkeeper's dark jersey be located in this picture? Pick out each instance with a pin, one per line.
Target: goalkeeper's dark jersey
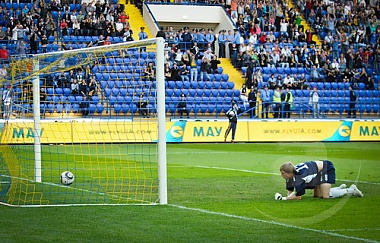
(305, 177)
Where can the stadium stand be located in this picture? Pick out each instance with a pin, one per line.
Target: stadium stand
(289, 47)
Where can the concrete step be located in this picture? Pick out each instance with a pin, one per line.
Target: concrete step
(234, 74)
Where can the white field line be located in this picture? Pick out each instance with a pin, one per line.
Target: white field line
(363, 229)
(276, 223)
(268, 173)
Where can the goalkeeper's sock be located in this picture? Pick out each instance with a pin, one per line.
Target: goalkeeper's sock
(337, 192)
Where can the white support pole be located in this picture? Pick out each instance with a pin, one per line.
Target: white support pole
(37, 124)
(162, 170)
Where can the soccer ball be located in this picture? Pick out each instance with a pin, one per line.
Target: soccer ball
(231, 113)
(67, 178)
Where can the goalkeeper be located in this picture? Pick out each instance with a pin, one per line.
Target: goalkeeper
(232, 115)
(318, 175)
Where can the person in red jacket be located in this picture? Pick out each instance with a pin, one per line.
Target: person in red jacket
(4, 53)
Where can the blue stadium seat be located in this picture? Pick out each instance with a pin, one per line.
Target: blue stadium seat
(117, 108)
(206, 93)
(99, 108)
(327, 85)
(225, 77)
(192, 92)
(218, 77)
(230, 85)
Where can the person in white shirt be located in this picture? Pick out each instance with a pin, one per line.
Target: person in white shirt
(252, 39)
(284, 28)
(314, 102)
(286, 51)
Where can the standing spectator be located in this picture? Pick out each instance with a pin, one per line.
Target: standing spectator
(376, 61)
(44, 43)
(184, 73)
(204, 69)
(142, 105)
(222, 39)
(265, 99)
(182, 107)
(33, 42)
(353, 98)
(4, 53)
(161, 33)
(150, 72)
(64, 27)
(232, 115)
(74, 87)
(174, 73)
(21, 49)
(288, 103)
(3, 34)
(84, 106)
(314, 102)
(277, 102)
(252, 99)
(142, 36)
(92, 86)
(193, 68)
(244, 95)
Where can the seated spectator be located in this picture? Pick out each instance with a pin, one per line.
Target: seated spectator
(214, 64)
(370, 83)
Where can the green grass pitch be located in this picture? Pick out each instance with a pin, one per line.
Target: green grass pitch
(223, 193)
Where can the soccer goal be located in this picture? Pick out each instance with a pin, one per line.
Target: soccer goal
(114, 146)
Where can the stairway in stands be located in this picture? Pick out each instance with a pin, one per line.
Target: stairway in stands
(235, 75)
(136, 20)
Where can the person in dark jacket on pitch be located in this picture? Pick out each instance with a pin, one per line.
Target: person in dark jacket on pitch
(232, 115)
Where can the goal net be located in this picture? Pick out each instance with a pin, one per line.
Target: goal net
(109, 130)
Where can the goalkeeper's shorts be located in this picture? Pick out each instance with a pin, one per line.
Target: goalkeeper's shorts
(328, 173)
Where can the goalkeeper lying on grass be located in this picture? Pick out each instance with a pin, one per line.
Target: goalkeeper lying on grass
(318, 175)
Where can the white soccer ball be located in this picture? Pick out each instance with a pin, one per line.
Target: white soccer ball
(277, 196)
(67, 178)
(231, 113)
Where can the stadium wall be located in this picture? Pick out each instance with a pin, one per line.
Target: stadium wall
(186, 15)
(74, 131)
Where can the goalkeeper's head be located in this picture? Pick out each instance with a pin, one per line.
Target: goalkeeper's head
(287, 170)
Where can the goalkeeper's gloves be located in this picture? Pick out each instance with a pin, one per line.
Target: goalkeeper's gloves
(278, 196)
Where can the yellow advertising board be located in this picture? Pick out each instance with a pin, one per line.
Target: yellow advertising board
(81, 132)
(295, 131)
(213, 131)
(365, 131)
